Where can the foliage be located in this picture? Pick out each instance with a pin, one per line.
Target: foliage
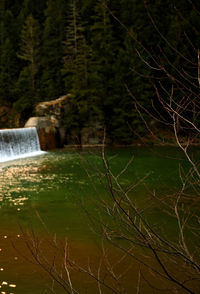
(30, 52)
(114, 79)
(95, 50)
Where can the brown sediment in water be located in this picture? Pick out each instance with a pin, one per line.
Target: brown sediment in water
(21, 274)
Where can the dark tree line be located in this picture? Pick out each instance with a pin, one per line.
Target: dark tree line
(49, 48)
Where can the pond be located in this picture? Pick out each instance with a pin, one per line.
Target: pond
(51, 195)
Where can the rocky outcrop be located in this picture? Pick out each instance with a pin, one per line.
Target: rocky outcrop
(52, 131)
(46, 129)
(48, 122)
(55, 108)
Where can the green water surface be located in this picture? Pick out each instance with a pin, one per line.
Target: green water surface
(47, 193)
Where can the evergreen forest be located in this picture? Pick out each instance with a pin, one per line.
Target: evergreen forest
(100, 52)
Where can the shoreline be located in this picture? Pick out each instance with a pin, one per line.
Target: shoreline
(79, 146)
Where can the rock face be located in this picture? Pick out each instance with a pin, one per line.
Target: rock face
(48, 122)
(53, 133)
(54, 108)
(9, 118)
(46, 131)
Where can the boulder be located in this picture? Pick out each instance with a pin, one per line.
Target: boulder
(54, 108)
(39, 123)
(53, 133)
(48, 122)
(47, 131)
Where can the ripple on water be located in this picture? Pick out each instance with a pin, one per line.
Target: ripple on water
(23, 179)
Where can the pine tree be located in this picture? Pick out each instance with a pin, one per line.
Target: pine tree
(105, 47)
(26, 87)
(29, 7)
(74, 35)
(52, 49)
(30, 48)
(8, 59)
(79, 72)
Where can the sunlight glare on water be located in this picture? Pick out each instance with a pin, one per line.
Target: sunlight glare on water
(54, 185)
(24, 179)
(25, 183)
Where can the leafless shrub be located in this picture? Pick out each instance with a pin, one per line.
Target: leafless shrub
(126, 227)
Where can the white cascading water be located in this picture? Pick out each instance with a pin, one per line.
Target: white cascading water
(19, 143)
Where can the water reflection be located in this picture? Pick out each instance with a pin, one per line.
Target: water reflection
(45, 183)
(26, 178)
(7, 285)
(10, 263)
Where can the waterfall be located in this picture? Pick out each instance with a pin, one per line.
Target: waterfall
(19, 143)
